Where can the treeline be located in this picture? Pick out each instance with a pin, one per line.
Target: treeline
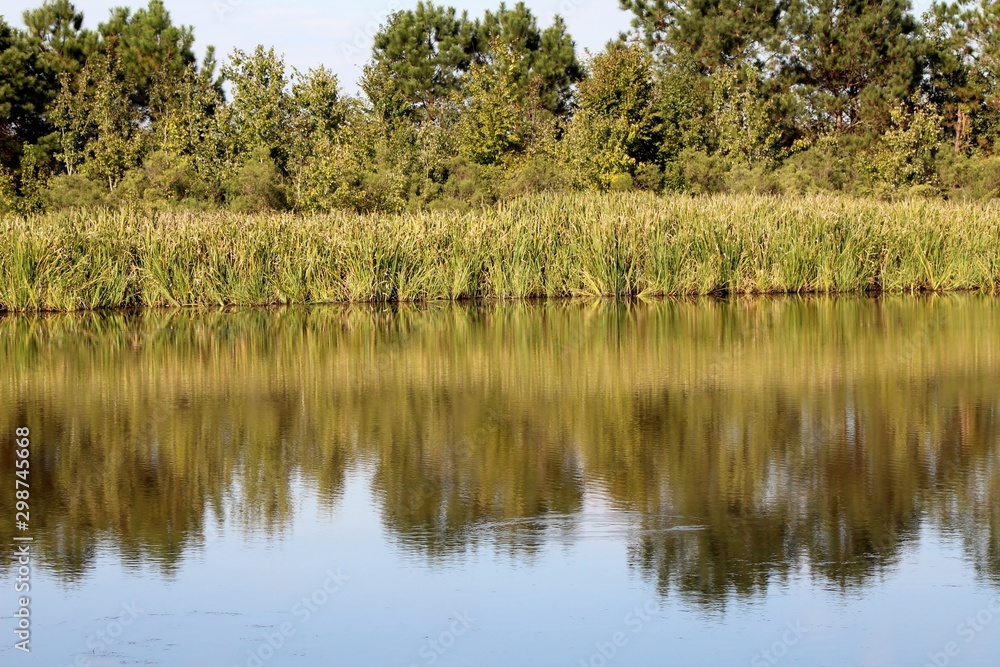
(777, 96)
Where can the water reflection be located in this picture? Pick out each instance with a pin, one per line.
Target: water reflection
(740, 441)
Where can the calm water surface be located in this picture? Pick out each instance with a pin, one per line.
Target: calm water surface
(750, 482)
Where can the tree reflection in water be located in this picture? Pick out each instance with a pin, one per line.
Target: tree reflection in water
(741, 441)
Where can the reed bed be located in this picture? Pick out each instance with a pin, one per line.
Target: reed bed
(546, 246)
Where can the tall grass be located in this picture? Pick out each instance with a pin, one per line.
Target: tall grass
(621, 245)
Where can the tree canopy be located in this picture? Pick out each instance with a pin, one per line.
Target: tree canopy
(459, 110)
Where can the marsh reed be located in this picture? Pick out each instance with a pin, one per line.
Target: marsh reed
(548, 246)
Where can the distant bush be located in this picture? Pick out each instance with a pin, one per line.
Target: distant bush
(824, 165)
(8, 192)
(621, 183)
(752, 179)
(257, 186)
(702, 173)
(649, 177)
(539, 174)
(68, 191)
(905, 154)
(969, 178)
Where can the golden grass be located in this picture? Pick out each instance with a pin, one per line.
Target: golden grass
(551, 246)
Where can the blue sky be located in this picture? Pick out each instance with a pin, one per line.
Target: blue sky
(337, 34)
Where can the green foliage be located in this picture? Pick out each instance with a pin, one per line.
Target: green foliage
(336, 178)
(23, 95)
(32, 176)
(149, 46)
(744, 119)
(459, 112)
(56, 38)
(418, 59)
(321, 106)
(905, 154)
(621, 183)
(186, 125)
(984, 42)
(493, 121)
(8, 192)
(614, 128)
(421, 57)
(255, 121)
(318, 162)
(538, 174)
(701, 173)
(543, 62)
(98, 125)
(650, 177)
(256, 186)
(682, 102)
(952, 83)
(823, 165)
(74, 191)
(970, 178)
(468, 185)
(168, 181)
(852, 60)
(708, 34)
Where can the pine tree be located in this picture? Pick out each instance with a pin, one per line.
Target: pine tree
(22, 97)
(149, 44)
(951, 77)
(55, 34)
(545, 60)
(709, 34)
(848, 56)
(418, 60)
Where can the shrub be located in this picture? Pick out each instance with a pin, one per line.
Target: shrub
(622, 183)
(825, 165)
(650, 177)
(904, 155)
(702, 173)
(256, 187)
(541, 173)
(8, 193)
(73, 191)
(969, 178)
(752, 179)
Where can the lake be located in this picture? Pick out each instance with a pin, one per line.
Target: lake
(793, 481)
